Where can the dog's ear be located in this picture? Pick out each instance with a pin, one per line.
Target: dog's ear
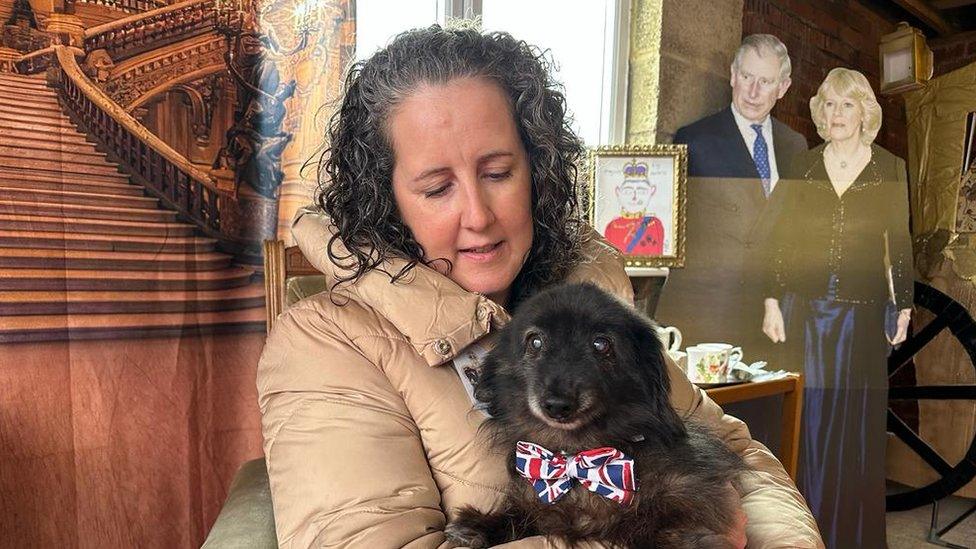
(490, 390)
(654, 371)
(650, 353)
(484, 391)
(491, 378)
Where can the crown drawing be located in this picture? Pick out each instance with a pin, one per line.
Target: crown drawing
(635, 170)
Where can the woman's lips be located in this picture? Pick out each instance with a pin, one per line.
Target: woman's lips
(482, 253)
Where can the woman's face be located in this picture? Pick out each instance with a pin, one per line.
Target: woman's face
(462, 182)
(842, 115)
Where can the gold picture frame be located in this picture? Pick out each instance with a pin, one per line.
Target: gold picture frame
(636, 199)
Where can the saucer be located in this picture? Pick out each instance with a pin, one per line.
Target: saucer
(721, 384)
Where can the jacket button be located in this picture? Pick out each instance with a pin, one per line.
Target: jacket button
(443, 347)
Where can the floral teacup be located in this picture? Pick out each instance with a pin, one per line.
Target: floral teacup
(709, 363)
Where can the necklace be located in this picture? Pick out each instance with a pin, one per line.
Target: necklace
(843, 162)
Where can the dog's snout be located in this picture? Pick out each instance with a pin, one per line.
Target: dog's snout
(559, 407)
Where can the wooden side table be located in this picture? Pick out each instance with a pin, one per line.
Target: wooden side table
(791, 387)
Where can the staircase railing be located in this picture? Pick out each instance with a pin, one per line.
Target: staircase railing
(129, 6)
(166, 173)
(129, 36)
(35, 61)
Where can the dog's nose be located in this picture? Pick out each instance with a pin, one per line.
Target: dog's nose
(557, 407)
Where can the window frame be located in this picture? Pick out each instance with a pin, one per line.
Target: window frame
(616, 53)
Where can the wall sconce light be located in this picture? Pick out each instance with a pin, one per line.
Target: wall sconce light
(906, 60)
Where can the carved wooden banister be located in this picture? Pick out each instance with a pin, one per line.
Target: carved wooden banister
(128, 6)
(129, 36)
(35, 61)
(154, 164)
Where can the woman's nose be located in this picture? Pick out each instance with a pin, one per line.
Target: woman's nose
(477, 214)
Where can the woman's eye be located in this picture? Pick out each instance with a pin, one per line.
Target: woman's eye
(601, 345)
(437, 191)
(498, 176)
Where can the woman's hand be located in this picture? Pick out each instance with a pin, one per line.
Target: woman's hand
(901, 334)
(773, 321)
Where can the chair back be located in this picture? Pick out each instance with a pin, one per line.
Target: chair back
(280, 265)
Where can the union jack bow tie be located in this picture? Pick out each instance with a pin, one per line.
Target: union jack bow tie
(604, 471)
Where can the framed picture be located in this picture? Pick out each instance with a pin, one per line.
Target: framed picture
(637, 201)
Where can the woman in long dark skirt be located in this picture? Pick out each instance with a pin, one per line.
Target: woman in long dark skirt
(841, 273)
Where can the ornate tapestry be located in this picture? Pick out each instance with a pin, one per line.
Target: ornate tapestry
(966, 212)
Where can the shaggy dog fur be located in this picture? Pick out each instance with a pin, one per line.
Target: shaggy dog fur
(576, 369)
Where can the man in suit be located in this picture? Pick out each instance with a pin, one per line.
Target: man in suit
(735, 158)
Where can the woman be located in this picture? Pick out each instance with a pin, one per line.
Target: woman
(842, 231)
(451, 198)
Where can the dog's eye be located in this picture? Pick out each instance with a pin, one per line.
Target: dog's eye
(601, 345)
(535, 343)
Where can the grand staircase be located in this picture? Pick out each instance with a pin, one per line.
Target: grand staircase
(84, 253)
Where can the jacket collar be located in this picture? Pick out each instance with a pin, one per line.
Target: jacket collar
(816, 171)
(438, 317)
(780, 141)
(731, 134)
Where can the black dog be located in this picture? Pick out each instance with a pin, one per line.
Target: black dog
(577, 370)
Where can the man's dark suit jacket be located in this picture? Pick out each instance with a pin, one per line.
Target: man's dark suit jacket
(717, 295)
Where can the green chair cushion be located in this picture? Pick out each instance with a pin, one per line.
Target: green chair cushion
(300, 287)
(246, 520)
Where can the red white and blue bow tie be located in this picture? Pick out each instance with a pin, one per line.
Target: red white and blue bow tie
(605, 471)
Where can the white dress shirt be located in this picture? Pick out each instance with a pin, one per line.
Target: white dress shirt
(749, 136)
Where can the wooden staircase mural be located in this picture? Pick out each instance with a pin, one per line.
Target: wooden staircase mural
(85, 253)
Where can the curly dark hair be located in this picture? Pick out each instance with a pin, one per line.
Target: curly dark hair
(358, 191)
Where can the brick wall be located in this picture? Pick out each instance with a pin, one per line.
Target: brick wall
(821, 36)
(953, 53)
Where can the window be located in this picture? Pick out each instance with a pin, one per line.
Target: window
(378, 21)
(587, 40)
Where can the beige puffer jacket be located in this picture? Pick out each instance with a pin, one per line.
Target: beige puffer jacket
(370, 436)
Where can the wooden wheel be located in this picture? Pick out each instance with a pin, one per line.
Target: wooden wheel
(950, 315)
